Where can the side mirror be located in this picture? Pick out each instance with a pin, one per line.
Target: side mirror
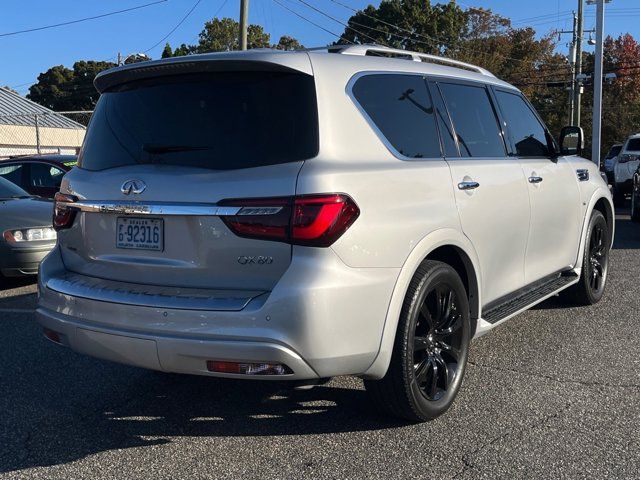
(571, 141)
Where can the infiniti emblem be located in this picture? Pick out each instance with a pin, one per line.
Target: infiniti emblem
(133, 186)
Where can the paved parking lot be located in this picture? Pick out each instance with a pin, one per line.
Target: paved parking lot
(554, 392)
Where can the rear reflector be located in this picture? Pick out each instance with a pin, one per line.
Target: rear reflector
(53, 336)
(311, 220)
(248, 368)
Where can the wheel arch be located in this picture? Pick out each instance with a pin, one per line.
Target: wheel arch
(446, 245)
(601, 201)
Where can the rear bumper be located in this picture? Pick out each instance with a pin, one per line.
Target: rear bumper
(169, 353)
(322, 319)
(20, 261)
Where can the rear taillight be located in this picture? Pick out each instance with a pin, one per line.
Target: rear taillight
(311, 220)
(63, 216)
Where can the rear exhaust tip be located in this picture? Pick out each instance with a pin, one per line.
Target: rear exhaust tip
(55, 337)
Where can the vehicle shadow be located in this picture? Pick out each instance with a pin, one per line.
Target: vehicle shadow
(9, 283)
(627, 235)
(97, 407)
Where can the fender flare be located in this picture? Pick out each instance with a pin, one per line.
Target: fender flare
(599, 194)
(432, 241)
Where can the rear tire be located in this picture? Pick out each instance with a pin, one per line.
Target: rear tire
(618, 196)
(595, 263)
(430, 349)
(635, 206)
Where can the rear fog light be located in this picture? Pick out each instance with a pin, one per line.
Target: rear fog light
(243, 368)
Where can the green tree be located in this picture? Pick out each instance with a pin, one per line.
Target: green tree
(288, 43)
(166, 51)
(221, 35)
(61, 88)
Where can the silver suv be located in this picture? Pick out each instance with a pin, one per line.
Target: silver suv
(300, 215)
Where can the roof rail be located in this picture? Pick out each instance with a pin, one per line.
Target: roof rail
(368, 49)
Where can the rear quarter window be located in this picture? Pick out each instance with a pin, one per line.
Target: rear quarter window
(401, 109)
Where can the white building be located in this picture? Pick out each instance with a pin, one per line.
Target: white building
(28, 128)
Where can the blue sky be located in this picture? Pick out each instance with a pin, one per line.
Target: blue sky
(24, 56)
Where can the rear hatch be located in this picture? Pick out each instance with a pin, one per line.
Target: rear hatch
(162, 160)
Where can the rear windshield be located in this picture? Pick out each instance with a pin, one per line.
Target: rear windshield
(221, 121)
(633, 145)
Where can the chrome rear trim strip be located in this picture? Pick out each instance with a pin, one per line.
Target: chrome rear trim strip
(164, 209)
(92, 288)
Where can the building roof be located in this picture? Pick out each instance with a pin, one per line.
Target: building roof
(18, 110)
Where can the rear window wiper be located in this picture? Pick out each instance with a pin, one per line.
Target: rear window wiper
(156, 149)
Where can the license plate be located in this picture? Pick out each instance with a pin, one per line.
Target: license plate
(140, 233)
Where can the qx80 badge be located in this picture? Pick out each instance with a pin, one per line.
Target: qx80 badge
(258, 260)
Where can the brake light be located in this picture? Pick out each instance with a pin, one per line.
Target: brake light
(63, 216)
(311, 220)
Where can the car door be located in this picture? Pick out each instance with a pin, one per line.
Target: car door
(490, 188)
(44, 179)
(553, 189)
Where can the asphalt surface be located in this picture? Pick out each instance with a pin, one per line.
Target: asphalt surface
(555, 392)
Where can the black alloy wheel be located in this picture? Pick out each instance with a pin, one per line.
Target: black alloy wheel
(430, 349)
(438, 338)
(598, 258)
(595, 264)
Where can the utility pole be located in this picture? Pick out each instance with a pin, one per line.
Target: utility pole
(119, 59)
(597, 84)
(572, 65)
(577, 85)
(244, 23)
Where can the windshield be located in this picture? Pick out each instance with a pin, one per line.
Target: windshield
(222, 121)
(11, 190)
(614, 151)
(633, 145)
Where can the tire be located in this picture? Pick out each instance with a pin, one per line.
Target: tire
(595, 263)
(618, 196)
(635, 206)
(430, 349)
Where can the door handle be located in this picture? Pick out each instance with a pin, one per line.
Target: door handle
(468, 185)
(535, 179)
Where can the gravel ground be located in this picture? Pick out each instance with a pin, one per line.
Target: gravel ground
(555, 392)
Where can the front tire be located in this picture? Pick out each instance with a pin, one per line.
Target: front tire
(431, 347)
(635, 206)
(595, 263)
(618, 196)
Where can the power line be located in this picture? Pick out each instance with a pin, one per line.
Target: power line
(176, 27)
(433, 40)
(81, 19)
(340, 37)
(342, 23)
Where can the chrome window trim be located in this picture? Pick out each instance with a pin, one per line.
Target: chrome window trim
(151, 208)
(349, 91)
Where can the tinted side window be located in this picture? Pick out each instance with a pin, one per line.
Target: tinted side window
(43, 175)
(474, 120)
(444, 124)
(13, 173)
(526, 131)
(400, 106)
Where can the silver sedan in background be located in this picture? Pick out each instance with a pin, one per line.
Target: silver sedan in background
(27, 235)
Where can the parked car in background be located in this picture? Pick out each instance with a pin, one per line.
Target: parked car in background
(627, 162)
(37, 174)
(302, 215)
(610, 161)
(27, 234)
(635, 197)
